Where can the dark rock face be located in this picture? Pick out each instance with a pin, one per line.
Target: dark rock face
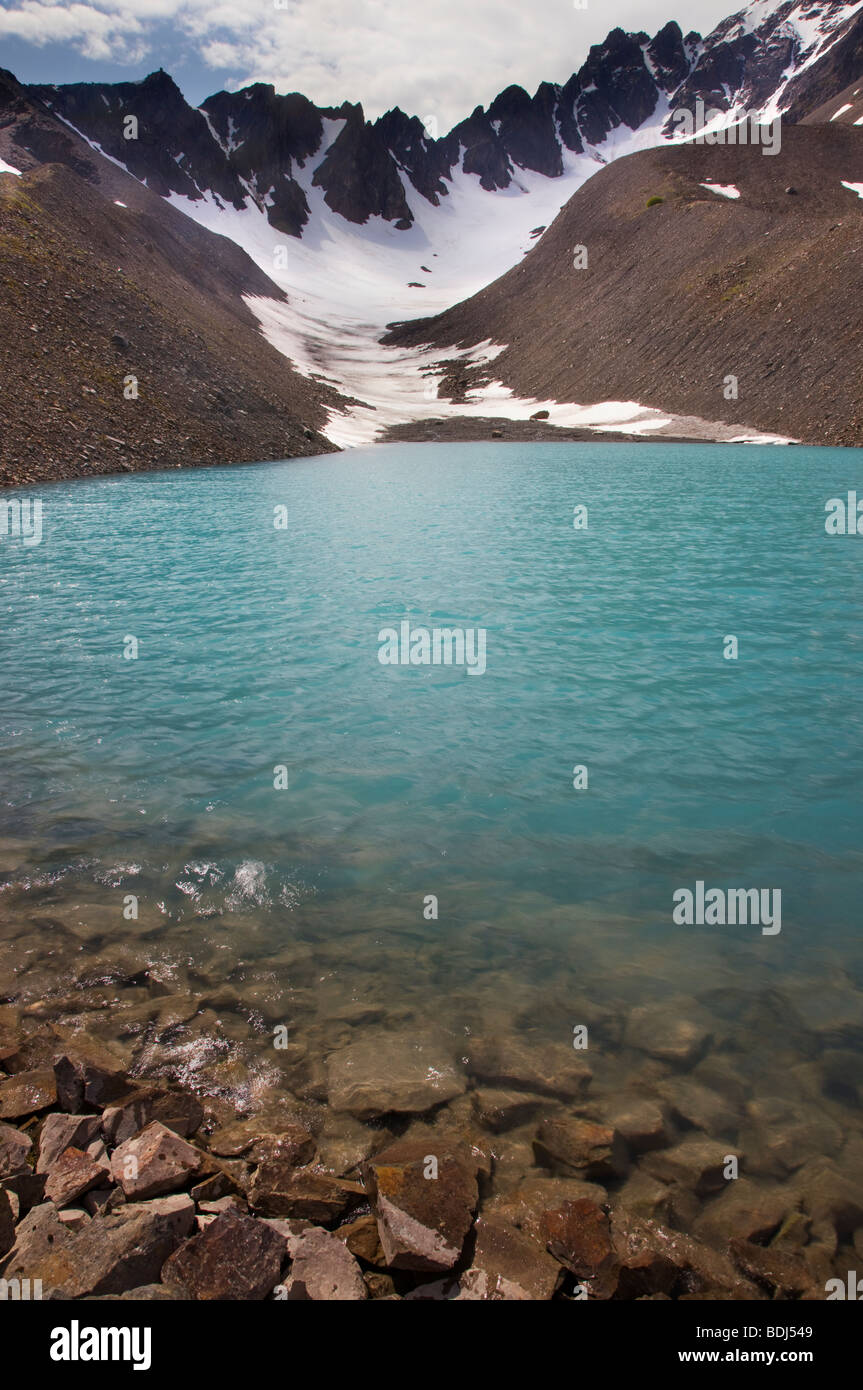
(248, 146)
(359, 176)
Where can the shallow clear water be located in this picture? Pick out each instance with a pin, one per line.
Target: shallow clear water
(258, 647)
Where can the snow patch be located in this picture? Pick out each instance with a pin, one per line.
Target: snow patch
(726, 190)
(8, 168)
(854, 187)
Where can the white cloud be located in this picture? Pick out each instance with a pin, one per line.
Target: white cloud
(442, 58)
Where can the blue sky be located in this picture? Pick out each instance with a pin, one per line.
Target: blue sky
(442, 58)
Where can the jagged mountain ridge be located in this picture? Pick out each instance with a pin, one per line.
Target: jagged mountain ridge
(248, 146)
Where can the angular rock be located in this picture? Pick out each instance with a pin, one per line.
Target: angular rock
(280, 1189)
(500, 1110)
(647, 1262)
(26, 1093)
(35, 1237)
(542, 1068)
(14, 1148)
(422, 1220)
(362, 1239)
(295, 1146)
(236, 1258)
(60, 1132)
(781, 1274)
(402, 1073)
(73, 1174)
(110, 1255)
(515, 1266)
(90, 1075)
(324, 1270)
(744, 1210)
(701, 1108)
(581, 1147)
(698, 1164)
(679, 1038)
(641, 1124)
(153, 1162)
(578, 1235)
(178, 1111)
(28, 1188)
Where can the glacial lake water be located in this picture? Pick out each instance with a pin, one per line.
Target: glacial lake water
(606, 648)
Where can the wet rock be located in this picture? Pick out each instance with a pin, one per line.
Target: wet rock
(153, 1162)
(578, 1236)
(698, 1164)
(698, 1107)
(362, 1239)
(324, 1269)
(542, 1068)
(783, 1135)
(403, 1073)
(109, 1255)
(781, 1274)
(236, 1258)
(745, 1210)
(645, 1196)
(60, 1132)
(280, 1189)
(829, 1197)
(73, 1174)
(581, 1147)
(178, 1111)
(514, 1265)
(89, 1074)
(672, 1031)
(14, 1148)
(640, 1123)
(500, 1110)
(647, 1260)
(26, 1093)
(422, 1219)
(525, 1205)
(295, 1146)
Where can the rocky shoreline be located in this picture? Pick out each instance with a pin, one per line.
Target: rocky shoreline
(120, 1187)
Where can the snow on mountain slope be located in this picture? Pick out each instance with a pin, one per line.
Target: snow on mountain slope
(429, 222)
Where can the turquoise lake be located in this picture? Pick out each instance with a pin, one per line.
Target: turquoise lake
(258, 650)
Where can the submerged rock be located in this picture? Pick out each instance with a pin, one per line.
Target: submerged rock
(581, 1147)
(26, 1093)
(389, 1072)
(542, 1068)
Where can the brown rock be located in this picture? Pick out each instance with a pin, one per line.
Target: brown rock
(178, 1111)
(676, 1033)
(324, 1270)
(745, 1210)
(73, 1174)
(641, 1124)
(362, 1239)
(383, 1073)
(542, 1068)
(581, 1147)
(26, 1093)
(781, 1274)
(698, 1164)
(60, 1132)
(153, 1162)
(236, 1258)
(578, 1235)
(294, 1146)
(280, 1189)
(109, 1255)
(515, 1266)
(500, 1110)
(14, 1148)
(89, 1074)
(422, 1219)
